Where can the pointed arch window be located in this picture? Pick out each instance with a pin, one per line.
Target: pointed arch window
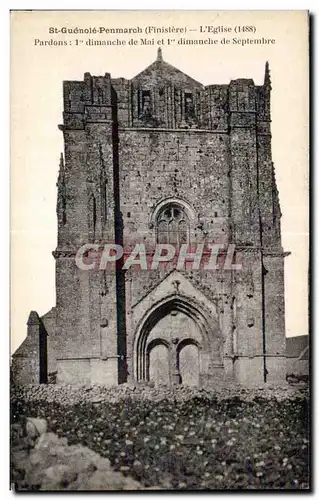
(172, 225)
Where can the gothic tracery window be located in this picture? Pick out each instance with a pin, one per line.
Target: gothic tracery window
(172, 225)
(145, 104)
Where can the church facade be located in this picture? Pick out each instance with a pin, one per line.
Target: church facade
(162, 158)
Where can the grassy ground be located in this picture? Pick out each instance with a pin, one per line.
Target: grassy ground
(197, 443)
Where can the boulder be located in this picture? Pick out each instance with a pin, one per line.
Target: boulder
(36, 426)
(52, 465)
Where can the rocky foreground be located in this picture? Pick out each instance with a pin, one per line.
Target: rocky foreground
(94, 438)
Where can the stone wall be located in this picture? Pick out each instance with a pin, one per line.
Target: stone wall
(29, 362)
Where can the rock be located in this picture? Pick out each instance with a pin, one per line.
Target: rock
(57, 476)
(52, 465)
(37, 457)
(84, 459)
(47, 440)
(37, 425)
(31, 430)
(103, 463)
(109, 482)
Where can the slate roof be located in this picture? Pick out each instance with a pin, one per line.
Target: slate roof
(160, 71)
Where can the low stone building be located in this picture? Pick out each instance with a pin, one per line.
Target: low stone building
(297, 351)
(162, 158)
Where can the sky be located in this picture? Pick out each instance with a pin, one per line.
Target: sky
(37, 72)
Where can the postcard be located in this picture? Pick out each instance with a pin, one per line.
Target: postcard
(159, 250)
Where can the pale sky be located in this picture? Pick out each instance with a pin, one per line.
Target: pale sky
(37, 73)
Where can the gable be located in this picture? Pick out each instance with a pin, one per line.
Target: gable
(160, 72)
(173, 284)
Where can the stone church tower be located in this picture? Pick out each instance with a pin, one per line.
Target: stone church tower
(164, 159)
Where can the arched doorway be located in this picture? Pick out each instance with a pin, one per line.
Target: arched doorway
(158, 363)
(175, 343)
(188, 360)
